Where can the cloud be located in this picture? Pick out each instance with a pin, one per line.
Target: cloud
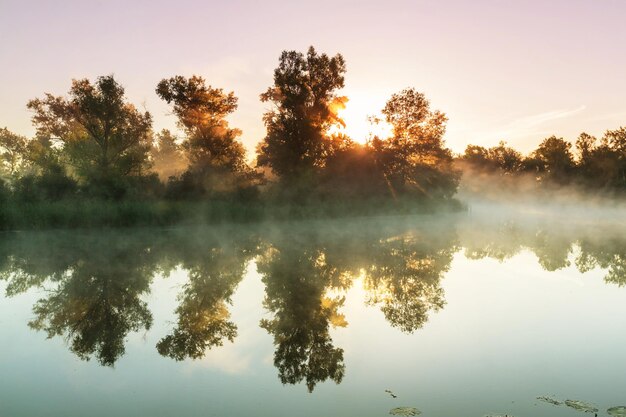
(526, 127)
(531, 123)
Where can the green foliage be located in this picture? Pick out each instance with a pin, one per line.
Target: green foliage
(103, 138)
(51, 185)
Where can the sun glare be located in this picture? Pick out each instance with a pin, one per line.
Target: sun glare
(358, 126)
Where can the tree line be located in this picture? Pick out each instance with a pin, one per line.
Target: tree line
(593, 163)
(93, 143)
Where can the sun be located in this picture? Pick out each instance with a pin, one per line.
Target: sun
(357, 115)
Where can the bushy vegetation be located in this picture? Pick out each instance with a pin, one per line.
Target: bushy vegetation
(96, 161)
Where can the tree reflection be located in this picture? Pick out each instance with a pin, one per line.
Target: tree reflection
(607, 253)
(298, 291)
(404, 277)
(554, 243)
(215, 268)
(307, 270)
(97, 283)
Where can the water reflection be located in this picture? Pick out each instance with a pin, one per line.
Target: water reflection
(298, 286)
(95, 283)
(215, 267)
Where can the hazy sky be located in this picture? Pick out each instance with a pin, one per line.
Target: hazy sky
(513, 70)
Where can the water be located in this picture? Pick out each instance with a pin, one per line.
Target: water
(465, 315)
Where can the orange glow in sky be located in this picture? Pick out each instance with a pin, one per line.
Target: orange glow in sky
(515, 71)
(358, 126)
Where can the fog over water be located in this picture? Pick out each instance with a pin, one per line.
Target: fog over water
(466, 314)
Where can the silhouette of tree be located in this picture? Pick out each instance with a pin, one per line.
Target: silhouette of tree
(352, 173)
(506, 158)
(103, 136)
(477, 157)
(216, 157)
(615, 140)
(306, 103)
(414, 159)
(553, 160)
(501, 158)
(598, 164)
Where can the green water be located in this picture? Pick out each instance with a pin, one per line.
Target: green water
(456, 316)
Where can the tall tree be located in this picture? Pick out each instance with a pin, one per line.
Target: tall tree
(306, 103)
(414, 158)
(215, 155)
(104, 137)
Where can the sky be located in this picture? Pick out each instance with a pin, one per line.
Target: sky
(518, 71)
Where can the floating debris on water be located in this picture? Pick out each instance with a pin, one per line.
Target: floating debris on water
(498, 415)
(581, 406)
(391, 393)
(617, 411)
(404, 411)
(550, 400)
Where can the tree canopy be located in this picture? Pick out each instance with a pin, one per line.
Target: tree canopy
(414, 158)
(217, 159)
(102, 134)
(305, 105)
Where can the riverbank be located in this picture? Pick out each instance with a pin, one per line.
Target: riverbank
(70, 214)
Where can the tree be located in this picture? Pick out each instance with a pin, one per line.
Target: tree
(477, 157)
(615, 140)
(414, 158)
(216, 157)
(306, 103)
(554, 160)
(103, 136)
(505, 158)
(167, 156)
(585, 145)
(12, 151)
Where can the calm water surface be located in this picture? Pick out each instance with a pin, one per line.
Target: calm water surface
(457, 316)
